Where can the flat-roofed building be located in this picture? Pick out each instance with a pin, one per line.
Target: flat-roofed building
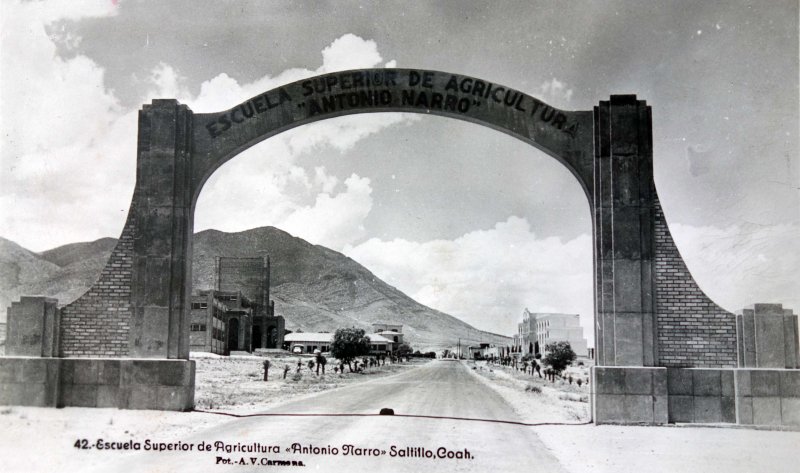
(392, 332)
(307, 342)
(561, 327)
(221, 322)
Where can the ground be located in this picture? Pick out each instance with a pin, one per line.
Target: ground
(441, 406)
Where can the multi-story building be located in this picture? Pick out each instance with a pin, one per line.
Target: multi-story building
(527, 341)
(538, 329)
(237, 315)
(221, 322)
(561, 327)
(251, 276)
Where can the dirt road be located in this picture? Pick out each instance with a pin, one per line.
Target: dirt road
(374, 443)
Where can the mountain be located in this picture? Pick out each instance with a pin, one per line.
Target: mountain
(314, 288)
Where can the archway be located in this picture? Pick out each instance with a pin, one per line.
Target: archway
(233, 334)
(257, 337)
(642, 290)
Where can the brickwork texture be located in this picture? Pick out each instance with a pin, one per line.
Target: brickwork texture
(98, 322)
(693, 331)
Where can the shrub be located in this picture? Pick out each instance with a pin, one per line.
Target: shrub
(349, 343)
(297, 377)
(579, 381)
(559, 356)
(404, 350)
(533, 389)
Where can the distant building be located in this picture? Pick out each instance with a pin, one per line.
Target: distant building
(222, 322)
(561, 327)
(485, 351)
(538, 329)
(392, 332)
(238, 314)
(307, 342)
(527, 342)
(251, 276)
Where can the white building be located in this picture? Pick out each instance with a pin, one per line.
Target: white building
(393, 332)
(561, 327)
(307, 342)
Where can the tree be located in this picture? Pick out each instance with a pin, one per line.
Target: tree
(404, 350)
(559, 356)
(349, 343)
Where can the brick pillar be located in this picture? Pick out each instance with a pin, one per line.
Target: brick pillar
(162, 246)
(624, 220)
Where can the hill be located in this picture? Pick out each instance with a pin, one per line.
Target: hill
(314, 288)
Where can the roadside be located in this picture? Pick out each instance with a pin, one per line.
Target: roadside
(536, 400)
(236, 383)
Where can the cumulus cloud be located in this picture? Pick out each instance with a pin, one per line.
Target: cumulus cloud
(487, 277)
(264, 186)
(69, 147)
(63, 132)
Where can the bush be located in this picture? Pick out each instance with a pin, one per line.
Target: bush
(533, 389)
(579, 381)
(559, 356)
(404, 350)
(349, 343)
(297, 377)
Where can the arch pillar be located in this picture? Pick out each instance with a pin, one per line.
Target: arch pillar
(161, 284)
(624, 218)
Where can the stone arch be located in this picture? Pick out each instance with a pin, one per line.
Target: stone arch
(641, 289)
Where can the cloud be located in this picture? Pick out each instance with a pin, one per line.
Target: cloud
(334, 219)
(68, 158)
(487, 277)
(264, 186)
(63, 132)
(556, 91)
(740, 265)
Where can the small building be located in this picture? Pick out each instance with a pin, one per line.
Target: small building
(380, 345)
(392, 332)
(485, 351)
(307, 342)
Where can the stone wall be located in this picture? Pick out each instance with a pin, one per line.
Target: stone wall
(97, 382)
(98, 322)
(693, 331)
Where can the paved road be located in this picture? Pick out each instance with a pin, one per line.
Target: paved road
(439, 388)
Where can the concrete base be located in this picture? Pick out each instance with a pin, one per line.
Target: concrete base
(97, 382)
(648, 395)
(629, 395)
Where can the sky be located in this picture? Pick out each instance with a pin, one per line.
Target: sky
(460, 217)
